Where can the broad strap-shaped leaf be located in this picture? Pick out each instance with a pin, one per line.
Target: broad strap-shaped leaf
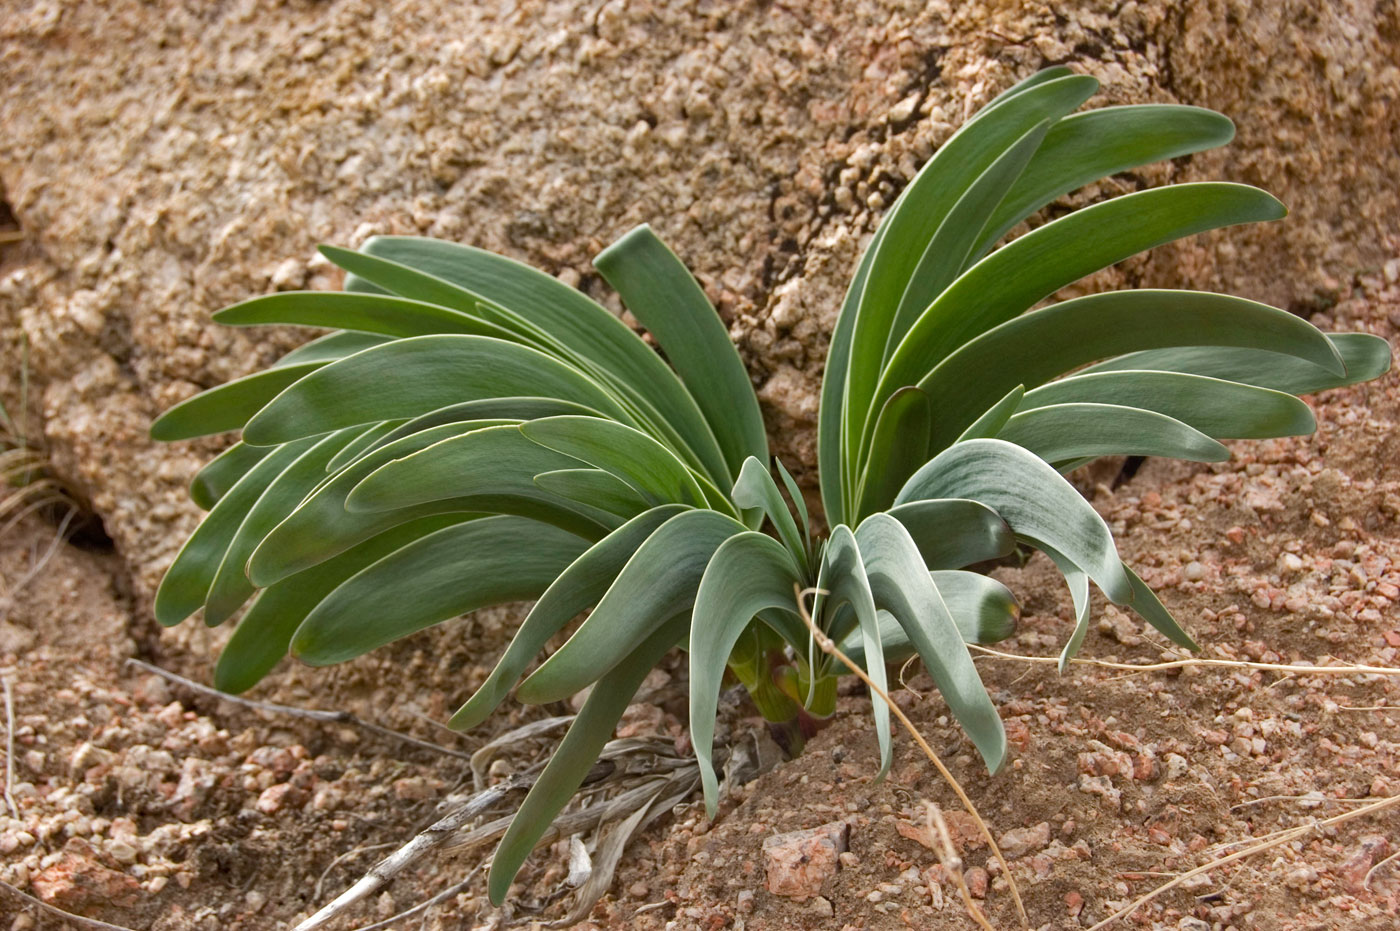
(1032, 497)
(933, 196)
(576, 753)
(1218, 408)
(382, 314)
(1150, 607)
(1009, 281)
(1084, 147)
(186, 583)
(755, 488)
(214, 480)
(575, 590)
(750, 572)
(898, 447)
(571, 318)
(264, 633)
(950, 250)
(799, 503)
(668, 301)
(322, 526)
(902, 586)
(1038, 346)
(231, 587)
(594, 488)
(230, 405)
(635, 458)
(1025, 84)
(659, 581)
(1065, 432)
(995, 417)
(984, 610)
(366, 440)
(1078, 584)
(499, 409)
(842, 577)
(409, 377)
(475, 564)
(330, 347)
(1364, 356)
(955, 532)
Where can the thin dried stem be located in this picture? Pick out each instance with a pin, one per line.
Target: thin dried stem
(953, 863)
(1366, 883)
(424, 906)
(1273, 840)
(1183, 663)
(9, 746)
(78, 920)
(829, 646)
(312, 714)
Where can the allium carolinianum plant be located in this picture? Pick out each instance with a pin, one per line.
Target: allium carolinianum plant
(475, 432)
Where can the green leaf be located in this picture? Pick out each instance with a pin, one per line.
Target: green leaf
(1365, 357)
(1064, 432)
(366, 313)
(659, 581)
(1085, 147)
(214, 480)
(749, 573)
(498, 409)
(898, 447)
(1012, 279)
(990, 423)
(573, 320)
(1036, 347)
(575, 590)
(799, 503)
(635, 458)
(417, 375)
(264, 634)
(187, 581)
(1078, 584)
(330, 347)
(661, 293)
(951, 532)
(490, 561)
(902, 586)
(842, 577)
(361, 444)
(755, 488)
(931, 198)
(231, 588)
(594, 488)
(1149, 606)
(1040, 506)
(950, 249)
(576, 753)
(984, 610)
(1040, 77)
(322, 526)
(1222, 409)
(230, 405)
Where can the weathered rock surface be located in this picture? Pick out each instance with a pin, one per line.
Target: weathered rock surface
(163, 160)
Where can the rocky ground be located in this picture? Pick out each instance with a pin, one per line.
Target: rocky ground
(160, 160)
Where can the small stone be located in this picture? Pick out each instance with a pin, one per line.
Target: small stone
(1193, 924)
(1193, 571)
(821, 907)
(1021, 841)
(799, 862)
(1074, 903)
(744, 904)
(121, 851)
(977, 880)
(76, 880)
(283, 795)
(1373, 847)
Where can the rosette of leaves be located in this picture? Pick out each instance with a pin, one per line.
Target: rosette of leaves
(474, 432)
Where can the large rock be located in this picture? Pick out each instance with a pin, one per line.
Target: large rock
(164, 159)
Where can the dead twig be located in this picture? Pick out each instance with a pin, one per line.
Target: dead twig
(424, 906)
(1296, 669)
(953, 863)
(1273, 840)
(829, 647)
(60, 913)
(311, 714)
(9, 746)
(1366, 883)
(435, 835)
